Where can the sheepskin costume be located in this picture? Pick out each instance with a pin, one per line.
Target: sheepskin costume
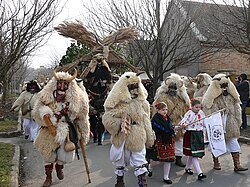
(25, 102)
(93, 62)
(26, 99)
(214, 100)
(46, 104)
(177, 104)
(120, 103)
(190, 85)
(203, 81)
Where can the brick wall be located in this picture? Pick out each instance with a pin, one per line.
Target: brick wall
(226, 61)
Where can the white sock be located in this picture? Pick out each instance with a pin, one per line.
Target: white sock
(166, 170)
(189, 162)
(196, 165)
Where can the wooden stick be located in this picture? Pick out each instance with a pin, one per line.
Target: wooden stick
(84, 154)
(208, 116)
(85, 159)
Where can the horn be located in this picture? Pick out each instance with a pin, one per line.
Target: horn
(54, 73)
(165, 81)
(139, 73)
(218, 79)
(73, 76)
(181, 83)
(190, 80)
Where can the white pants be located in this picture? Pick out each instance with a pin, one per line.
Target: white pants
(232, 145)
(30, 128)
(178, 145)
(121, 157)
(61, 156)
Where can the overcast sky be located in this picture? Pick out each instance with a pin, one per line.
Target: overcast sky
(57, 45)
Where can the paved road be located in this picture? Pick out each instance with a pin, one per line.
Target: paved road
(102, 170)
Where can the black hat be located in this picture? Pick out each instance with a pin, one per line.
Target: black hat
(243, 76)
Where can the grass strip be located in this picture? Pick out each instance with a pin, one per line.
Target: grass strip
(6, 156)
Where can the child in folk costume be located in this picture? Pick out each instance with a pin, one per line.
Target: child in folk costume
(163, 149)
(193, 143)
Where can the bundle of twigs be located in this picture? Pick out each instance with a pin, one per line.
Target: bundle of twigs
(77, 31)
(121, 35)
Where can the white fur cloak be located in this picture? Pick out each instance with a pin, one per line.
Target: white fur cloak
(25, 101)
(213, 100)
(203, 82)
(78, 113)
(120, 103)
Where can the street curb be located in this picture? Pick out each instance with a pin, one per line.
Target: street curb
(14, 179)
(11, 134)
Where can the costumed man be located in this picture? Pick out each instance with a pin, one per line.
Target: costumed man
(25, 102)
(222, 94)
(62, 112)
(203, 80)
(174, 93)
(127, 119)
(98, 81)
(190, 84)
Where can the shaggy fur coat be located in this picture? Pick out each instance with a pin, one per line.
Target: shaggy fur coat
(203, 81)
(25, 102)
(178, 104)
(78, 113)
(213, 100)
(190, 85)
(120, 103)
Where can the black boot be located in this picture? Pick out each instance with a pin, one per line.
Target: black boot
(119, 181)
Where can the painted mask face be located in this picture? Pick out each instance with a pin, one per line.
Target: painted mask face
(60, 92)
(224, 87)
(172, 89)
(133, 90)
(32, 89)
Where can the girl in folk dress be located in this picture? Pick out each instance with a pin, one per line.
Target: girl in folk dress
(163, 148)
(193, 144)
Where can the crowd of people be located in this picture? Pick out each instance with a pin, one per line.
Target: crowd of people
(63, 113)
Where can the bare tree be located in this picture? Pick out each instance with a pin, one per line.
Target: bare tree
(165, 36)
(234, 22)
(24, 27)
